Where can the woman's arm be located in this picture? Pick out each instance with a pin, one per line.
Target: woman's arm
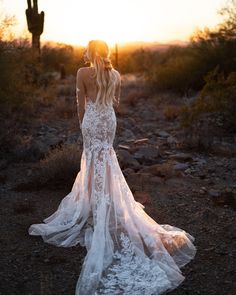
(117, 92)
(80, 95)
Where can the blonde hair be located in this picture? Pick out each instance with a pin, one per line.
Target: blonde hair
(98, 54)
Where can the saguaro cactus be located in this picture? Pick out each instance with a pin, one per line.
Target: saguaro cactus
(35, 22)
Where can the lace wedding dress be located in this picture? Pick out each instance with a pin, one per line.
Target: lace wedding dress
(127, 251)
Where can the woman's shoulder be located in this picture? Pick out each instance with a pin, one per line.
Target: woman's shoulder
(83, 70)
(116, 73)
(84, 73)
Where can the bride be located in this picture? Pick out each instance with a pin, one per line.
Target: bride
(127, 251)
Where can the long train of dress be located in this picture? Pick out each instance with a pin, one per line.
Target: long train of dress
(127, 251)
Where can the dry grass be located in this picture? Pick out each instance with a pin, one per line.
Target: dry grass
(61, 163)
(58, 169)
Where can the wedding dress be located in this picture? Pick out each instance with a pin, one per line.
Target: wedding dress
(127, 251)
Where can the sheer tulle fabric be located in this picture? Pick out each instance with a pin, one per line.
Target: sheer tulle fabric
(127, 251)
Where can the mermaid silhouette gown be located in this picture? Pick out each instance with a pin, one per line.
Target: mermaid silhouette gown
(127, 251)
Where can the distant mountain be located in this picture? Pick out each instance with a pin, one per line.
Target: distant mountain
(151, 45)
(178, 42)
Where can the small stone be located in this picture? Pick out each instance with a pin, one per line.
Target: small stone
(29, 172)
(147, 153)
(181, 166)
(126, 160)
(172, 140)
(125, 147)
(141, 141)
(182, 157)
(228, 190)
(188, 171)
(214, 193)
(162, 133)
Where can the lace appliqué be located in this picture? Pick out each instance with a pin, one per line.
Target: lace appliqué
(131, 274)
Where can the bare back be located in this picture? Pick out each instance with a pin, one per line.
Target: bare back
(90, 86)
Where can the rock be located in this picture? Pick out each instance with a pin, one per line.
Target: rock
(126, 160)
(224, 149)
(181, 166)
(147, 154)
(142, 197)
(200, 162)
(214, 193)
(128, 171)
(157, 180)
(162, 170)
(156, 170)
(181, 157)
(202, 175)
(29, 172)
(141, 141)
(228, 197)
(188, 171)
(162, 133)
(125, 147)
(148, 114)
(211, 170)
(172, 141)
(30, 153)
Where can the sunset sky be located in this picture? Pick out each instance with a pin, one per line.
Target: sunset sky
(78, 21)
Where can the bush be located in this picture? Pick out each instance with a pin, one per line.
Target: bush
(212, 116)
(218, 95)
(57, 170)
(176, 70)
(60, 165)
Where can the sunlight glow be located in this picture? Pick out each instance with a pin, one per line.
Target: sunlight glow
(77, 22)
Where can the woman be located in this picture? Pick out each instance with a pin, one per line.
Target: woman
(127, 251)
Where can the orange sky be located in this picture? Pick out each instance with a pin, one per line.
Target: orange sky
(78, 21)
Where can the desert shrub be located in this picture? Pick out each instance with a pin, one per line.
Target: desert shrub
(18, 78)
(60, 165)
(57, 170)
(204, 132)
(217, 96)
(13, 89)
(177, 72)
